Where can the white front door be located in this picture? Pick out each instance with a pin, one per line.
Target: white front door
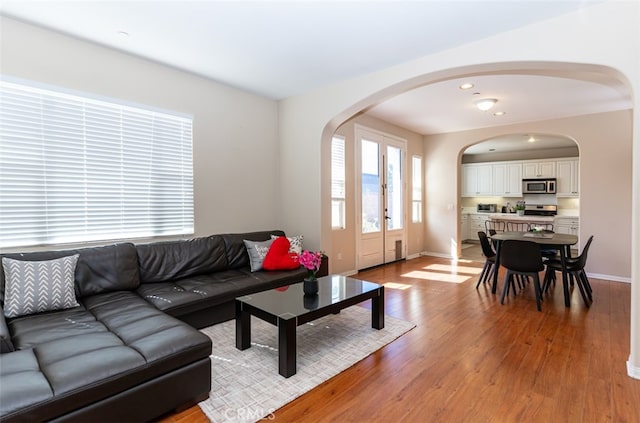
(381, 178)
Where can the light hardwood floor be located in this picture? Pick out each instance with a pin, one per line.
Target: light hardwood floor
(471, 359)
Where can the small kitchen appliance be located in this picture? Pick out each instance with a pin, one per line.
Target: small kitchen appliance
(487, 208)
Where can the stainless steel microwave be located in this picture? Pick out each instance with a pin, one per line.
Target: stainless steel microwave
(539, 186)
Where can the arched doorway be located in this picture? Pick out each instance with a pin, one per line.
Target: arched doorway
(492, 173)
(441, 151)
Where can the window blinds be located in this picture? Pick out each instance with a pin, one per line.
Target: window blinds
(76, 169)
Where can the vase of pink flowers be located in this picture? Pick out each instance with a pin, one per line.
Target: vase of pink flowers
(310, 260)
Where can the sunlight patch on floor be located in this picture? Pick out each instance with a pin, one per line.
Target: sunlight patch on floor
(461, 261)
(454, 268)
(434, 276)
(396, 285)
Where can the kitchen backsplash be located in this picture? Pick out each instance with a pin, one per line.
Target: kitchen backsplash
(565, 205)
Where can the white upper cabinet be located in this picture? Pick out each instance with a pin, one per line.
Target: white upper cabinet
(477, 180)
(504, 179)
(568, 174)
(507, 179)
(542, 169)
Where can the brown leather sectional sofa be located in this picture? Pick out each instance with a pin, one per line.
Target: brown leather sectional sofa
(130, 351)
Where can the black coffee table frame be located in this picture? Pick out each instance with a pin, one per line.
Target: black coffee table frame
(287, 322)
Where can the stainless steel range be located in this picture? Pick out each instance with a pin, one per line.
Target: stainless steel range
(540, 209)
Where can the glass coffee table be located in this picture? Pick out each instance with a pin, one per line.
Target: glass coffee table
(288, 307)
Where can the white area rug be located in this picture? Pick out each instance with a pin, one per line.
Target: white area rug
(246, 385)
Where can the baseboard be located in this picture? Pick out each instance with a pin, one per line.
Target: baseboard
(633, 371)
(439, 255)
(414, 256)
(609, 277)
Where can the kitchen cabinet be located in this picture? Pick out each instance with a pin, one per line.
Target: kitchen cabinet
(464, 229)
(476, 224)
(568, 178)
(567, 225)
(507, 179)
(541, 169)
(477, 180)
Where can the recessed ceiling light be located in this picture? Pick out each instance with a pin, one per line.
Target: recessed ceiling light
(492, 149)
(123, 34)
(531, 139)
(466, 86)
(500, 113)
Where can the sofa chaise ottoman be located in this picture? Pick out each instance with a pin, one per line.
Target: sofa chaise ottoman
(114, 357)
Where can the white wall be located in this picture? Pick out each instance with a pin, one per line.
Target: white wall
(604, 38)
(235, 134)
(605, 145)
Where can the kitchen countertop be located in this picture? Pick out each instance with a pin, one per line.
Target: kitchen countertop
(515, 217)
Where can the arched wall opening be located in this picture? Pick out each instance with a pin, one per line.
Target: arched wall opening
(606, 141)
(442, 200)
(510, 158)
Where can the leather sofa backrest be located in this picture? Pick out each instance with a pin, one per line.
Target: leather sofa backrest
(237, 255)
(99, 269)
(172, 260)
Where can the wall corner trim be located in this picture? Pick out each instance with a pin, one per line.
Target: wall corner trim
(632, 370)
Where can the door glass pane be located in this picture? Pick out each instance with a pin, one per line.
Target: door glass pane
(394, 188)
(370, 187)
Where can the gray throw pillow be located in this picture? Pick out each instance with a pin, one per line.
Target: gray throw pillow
(257, 250)
(37, 286)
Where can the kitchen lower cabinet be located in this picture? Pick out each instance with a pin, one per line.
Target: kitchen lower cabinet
(464, 227)
(571, 226)
(567, 225)
(476, 224)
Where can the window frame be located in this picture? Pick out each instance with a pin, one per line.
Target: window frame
(338, 202)
(417, 194)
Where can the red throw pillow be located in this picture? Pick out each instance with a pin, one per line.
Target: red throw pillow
(279, 258)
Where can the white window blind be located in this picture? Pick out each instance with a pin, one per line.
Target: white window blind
(338, 184)
(76, 169)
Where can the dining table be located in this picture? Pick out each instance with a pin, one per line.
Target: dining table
(547, 241)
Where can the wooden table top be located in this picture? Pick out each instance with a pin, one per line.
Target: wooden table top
(540, 238)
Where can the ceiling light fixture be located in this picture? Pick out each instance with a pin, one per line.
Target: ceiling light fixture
(123, 34)
(466, 86)
(486, 104)
(531, 139)
(500, 113)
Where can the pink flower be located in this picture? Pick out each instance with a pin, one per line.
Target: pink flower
(311, 260)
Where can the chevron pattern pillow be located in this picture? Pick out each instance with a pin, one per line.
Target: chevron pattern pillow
(37, 286)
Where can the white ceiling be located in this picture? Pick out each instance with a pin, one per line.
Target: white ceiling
(282, 48)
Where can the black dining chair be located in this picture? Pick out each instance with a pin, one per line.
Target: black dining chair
(575, 268)
(490, 259)
(517, 227)
(521, 258)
